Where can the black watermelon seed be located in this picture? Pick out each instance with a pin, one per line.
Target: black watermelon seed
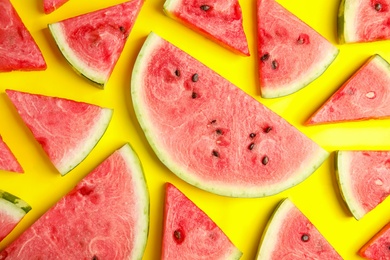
(274, 64)
(177, 73)
(219, 131)
(205, 7)
(178, 235)
(215, 153)
(252, 135)
(213, 121)
(264, 57)
(268, 129)
(122, 29)
(378, 7)
(251, 146)
(195, 77)
(305, 237)
(194, 95)
(95, 257)
(265, 160)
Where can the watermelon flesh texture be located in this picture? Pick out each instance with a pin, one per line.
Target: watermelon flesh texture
(364, 96)
(291, 53)
(18, 50)
(67, 130)
(189, 233)
(361, 173)
(8, 162)
(201, 132)
(50, 6)
(377, 248)
(219, 20)
(106, 216)
(92, 43)
(289, 234)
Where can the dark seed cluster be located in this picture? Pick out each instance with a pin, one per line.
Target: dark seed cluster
(205, 7)
(378, 7)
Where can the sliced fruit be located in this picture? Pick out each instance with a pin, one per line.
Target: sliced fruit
(50, 6)
(8, 162)
(377, 248)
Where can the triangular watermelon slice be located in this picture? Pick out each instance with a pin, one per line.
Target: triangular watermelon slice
(50, 6)
(377, 248)
(67, 130)
(291, 53)
(364, 96)
(289, 234)
(18, 50)
(219, 20)
(189, 233)
(360, 173)
(106, 216)
(8, 162)
(93, 42)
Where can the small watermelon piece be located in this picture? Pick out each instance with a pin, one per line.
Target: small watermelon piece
(67, 130)
(188, 232)
(50, 6)
(106, 216)
(360, 173)
(377, 248)
(289, 234)
(18, 50)
(194, 120)
(363, 21)
(92, 43)
(8, 162)
(291, 53)
(219, 20)
(363, 96)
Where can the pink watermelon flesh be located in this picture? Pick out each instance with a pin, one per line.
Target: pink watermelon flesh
(377, 248)
(364, 96)
(105, 216)
(210, 133)
(291, 53)
(50, 6)
(361, 173)
(18, 50)
(290, 235)
(93, 42)
(8, 162)
(190, 234)
(219, 20)
(67, 130)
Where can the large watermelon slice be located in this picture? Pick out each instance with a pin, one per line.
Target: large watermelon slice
(8, 162)
(93, 42)
(219, 20)
(363, 20)
(18, 50)
(360, 173)
(50, 6)
(291, 53)
(106, 216)
(190, 234)
(289, 234)
(67, 130)
(212, 134)
(364, 96)
(377, 248)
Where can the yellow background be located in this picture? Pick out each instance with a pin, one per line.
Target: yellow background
(243, 220)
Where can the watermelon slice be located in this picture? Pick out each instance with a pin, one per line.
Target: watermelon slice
(291, 53)
(93, 42)
(289, 234)
(67, 130)
(364, 96)
(194, 120)
(219, 20)
(8, 162)
(106, 216)
(363, 21)
(361, 173)
(18, 50)
(377, 248)
(12, 210)
(189, 233)
(50, 6)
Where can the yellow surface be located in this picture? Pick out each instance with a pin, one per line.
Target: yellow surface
(243, 220)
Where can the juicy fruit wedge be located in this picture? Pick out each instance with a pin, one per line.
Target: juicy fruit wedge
(8, 162)
(189, 233)
(194, 120)
(18, 50)
(67, 130)
(93, 42)
(219, 20)
(291, 53)
(360, 173)
(377, 248)
(50, 6)
(106, 216)
(289, 234)
(364, 96)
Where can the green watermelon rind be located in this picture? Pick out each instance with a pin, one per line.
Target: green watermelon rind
(13, 205)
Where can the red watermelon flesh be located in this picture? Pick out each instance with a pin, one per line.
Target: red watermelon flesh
(289, 234)
(93, 42)
(291, 53)
(106, 216)
(219, 20)
(67, 130)
(377, 248)
(8, 162)
(50, 6)
(364, 96)
(212, 134)
(190, 234)
(18, 50)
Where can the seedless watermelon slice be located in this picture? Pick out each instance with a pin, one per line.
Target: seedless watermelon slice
(291, 53)
(93, 42)
(377, 248)
(8, 162)
(219, 20)
(67, 130)
(289, 234)
(106, 216)
(189, 233)
(50, 6)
